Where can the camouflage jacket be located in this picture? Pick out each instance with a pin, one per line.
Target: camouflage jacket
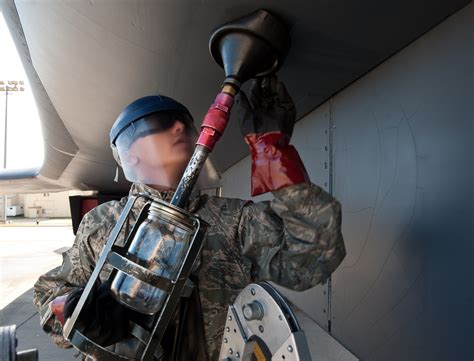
(294, 240)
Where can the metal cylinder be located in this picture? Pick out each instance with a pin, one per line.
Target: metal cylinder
(190, 176)
(8, 344)
(253, 311)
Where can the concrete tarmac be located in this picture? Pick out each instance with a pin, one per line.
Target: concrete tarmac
(27, 250)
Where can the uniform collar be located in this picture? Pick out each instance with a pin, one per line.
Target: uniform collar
(166, 196)
(143, 188)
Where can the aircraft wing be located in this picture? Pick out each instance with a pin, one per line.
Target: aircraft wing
(86, 60)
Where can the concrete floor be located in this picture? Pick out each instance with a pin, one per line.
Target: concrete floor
(27, 250)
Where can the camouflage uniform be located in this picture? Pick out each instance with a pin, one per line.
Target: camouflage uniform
(295, 240)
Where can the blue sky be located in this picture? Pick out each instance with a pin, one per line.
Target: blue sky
(24, 137)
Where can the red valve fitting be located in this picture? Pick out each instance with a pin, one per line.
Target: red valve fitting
(215, 121)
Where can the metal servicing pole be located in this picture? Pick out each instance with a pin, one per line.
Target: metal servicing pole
(9, 86)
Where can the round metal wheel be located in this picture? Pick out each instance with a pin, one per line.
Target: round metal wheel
(261, 326)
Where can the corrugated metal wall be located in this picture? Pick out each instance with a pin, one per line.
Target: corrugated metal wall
(396, 148)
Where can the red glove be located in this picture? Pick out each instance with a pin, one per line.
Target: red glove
(266, 120)
(57, 307)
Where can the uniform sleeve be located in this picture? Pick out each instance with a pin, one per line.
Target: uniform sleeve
(77, 266)
(295, 240)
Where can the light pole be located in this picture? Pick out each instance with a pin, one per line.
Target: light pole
(8, 86)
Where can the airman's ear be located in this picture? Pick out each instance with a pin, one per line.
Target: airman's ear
(131, 158)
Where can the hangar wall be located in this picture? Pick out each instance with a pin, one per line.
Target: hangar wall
(396, 148)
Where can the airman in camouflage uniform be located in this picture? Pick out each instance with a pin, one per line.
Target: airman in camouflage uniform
(294, 240)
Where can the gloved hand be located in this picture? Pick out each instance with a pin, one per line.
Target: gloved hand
(102, 319)
(266, 119)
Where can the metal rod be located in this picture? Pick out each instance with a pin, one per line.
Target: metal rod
(6, 122)
(7, 89)
(69, 325)
(190, 176)
(5, 197)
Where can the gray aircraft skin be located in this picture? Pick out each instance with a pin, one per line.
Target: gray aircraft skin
(405, 291)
